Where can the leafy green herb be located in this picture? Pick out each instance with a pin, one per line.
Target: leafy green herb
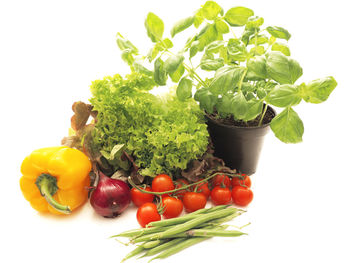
(245, 68)
(238, 16)
(287, 126)
(155, 27)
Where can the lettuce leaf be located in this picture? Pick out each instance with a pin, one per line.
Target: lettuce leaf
(162, 134)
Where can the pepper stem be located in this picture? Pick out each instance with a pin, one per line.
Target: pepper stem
(47, 185)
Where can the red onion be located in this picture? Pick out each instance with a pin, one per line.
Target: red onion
(111, 197)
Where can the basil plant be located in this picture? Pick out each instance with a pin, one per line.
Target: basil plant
(245, 64)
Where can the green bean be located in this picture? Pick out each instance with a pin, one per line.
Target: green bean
(198, 232)
(213, 233)
(140, 231)
(185, 243)
(162, 247)
(219, 221)
(200, 219)
(182, 219)
(152, 243)
(134, 233)
(133, 253)
(180, 246)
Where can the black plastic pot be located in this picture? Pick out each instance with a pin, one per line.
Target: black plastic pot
(239, 147)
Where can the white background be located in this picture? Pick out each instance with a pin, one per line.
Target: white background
(50, 51)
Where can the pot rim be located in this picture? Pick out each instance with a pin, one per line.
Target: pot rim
(241, 127)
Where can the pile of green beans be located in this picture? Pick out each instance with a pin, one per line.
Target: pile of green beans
(170, 236)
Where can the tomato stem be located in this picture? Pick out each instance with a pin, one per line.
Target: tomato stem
(184, 187)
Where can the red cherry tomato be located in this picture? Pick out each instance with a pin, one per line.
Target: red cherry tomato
(202, 188)
(172, 207)
(221, 180)
(162, 183)
(194, 201)
(220, 195)
(241, 195)
(139, 198)
(243, 182)
(178, 184)
(147, 213)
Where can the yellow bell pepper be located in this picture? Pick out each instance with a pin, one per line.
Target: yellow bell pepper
(55, 179)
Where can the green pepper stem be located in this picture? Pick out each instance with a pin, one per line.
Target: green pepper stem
(47, 185)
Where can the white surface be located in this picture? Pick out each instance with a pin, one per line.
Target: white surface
(50, 51)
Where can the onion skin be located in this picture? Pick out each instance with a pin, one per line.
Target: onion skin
(111, 197)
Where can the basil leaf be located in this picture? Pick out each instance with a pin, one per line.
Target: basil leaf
(239, 106)
(184, 89)
(284, 96)
(278, 32)
(249, 96)
(153, 53)
(160, 74)
(224, 105)
(127, 56)
(141, 69)
(318, 90)
(255, 108)
(126, 44)
(281, 47)
(254, 22)
(214, 47)
(272, 40)
(238, 16)
(225, 79)
(236, 50)
(210, 10)
(222, 27)
(177, 74)
(212, 64)
(155, 27)
(198, 18)
(167, 43)
(282, 68)
(247, 33)
(257, 51)
(194, 48)
(259, 40)
(206, 99)
(207, 35)
(181, 25)
(287, 126)
(248, 87)
(257, 68)
(173, 62)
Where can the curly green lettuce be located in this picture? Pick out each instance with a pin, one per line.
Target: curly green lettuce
(163, 134)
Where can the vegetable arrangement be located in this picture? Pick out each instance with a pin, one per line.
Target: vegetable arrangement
(155, 151)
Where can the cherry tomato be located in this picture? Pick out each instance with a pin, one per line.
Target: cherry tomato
(162, 183)
(178, 184)
(172, 207)
(220, 195)
(221, 180)
(243, 182)
(147, 213)
(139, 198)
(194, 201)
(241, 195)
(202, 188)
